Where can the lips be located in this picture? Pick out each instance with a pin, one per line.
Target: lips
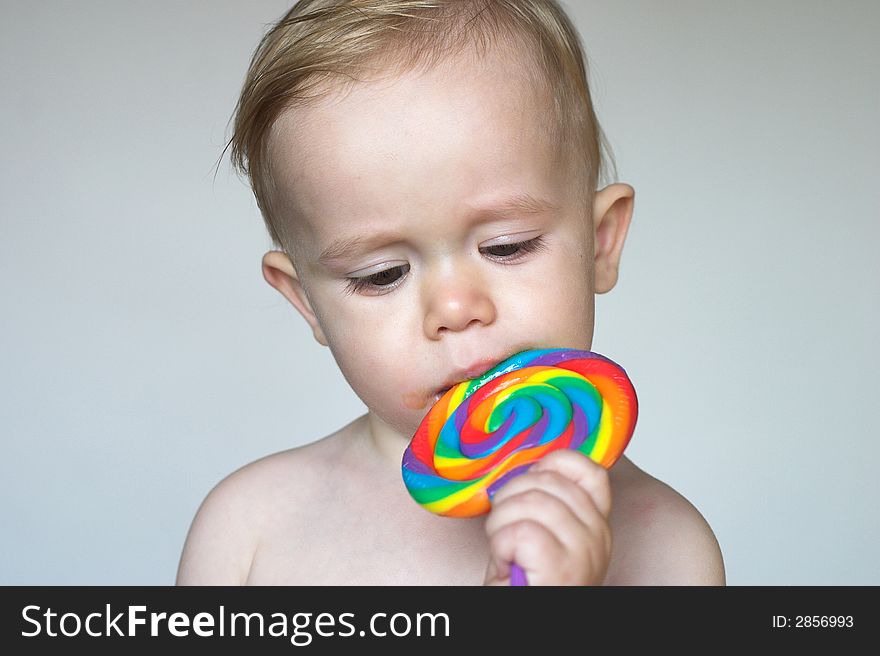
(474, 370)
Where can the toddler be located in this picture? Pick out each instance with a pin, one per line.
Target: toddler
(429, 173)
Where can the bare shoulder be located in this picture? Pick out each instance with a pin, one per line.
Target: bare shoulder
(660, 538)
(225, 532)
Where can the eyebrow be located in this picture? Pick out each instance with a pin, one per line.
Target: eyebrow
(522, 204)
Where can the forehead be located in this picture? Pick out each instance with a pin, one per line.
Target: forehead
(416, 142)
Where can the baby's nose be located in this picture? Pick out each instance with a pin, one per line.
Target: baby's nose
(456, 302)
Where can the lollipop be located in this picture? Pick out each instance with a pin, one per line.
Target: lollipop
(483, 432)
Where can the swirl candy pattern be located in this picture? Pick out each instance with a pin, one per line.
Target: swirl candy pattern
(484, 431)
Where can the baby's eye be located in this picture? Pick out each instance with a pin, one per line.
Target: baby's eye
(377, 283)
(514, 251)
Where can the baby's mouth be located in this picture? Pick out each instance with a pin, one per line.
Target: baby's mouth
(476, 370)
(439, 394)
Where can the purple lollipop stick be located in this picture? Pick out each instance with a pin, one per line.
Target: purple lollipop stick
(517, 575)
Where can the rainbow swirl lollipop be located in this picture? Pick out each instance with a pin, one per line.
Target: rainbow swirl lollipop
(484, 431)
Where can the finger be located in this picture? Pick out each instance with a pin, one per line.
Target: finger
(578, 468)
(544, 508)
(497, 572)
(528, 544)
(551, 482)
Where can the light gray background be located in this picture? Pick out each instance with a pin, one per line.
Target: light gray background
(143, 357)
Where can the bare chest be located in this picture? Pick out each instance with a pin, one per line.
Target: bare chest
(360, 530)
(381, 538)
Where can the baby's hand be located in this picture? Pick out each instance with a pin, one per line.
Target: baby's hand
(552, 521)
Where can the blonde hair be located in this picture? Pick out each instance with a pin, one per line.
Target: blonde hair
(319, 43)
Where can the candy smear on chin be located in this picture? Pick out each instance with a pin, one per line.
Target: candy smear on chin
(418, 400)
(485, 431)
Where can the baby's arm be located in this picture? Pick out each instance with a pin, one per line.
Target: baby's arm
(552, 521)
(221, 541)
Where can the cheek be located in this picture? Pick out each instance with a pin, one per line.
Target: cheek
(373, 375)
(371, 353)
(574, 269)
(368, 332)
(386, 382)
(554, 303)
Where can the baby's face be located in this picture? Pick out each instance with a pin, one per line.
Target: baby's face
(437, 231)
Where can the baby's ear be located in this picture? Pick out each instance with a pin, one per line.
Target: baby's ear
(279, 272)
(612, 212)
